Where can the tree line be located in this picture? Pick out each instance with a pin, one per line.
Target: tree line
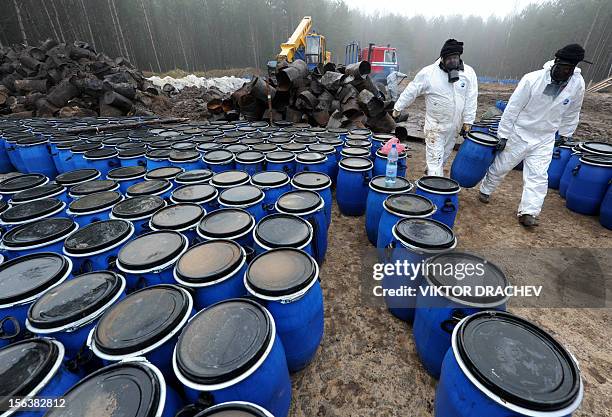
(199, 35)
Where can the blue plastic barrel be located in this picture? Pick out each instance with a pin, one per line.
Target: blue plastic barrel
(414, 240)
(228, 223)
(127, 176)
(273, 184)
(187, 159)
(148, 259)
(397, 207)
(161, 188)
(561, 155)
(311, 162)
(45, 235)
(352, 190)
(92, 187)
(310, 206)
(252, 368)
(219, 160)
(103, 160)
(63, 159)
(436, 316)
(69, 311)
(93, 207)
(36, 155)
(319, 182)
(23, 280)
(182, 217)
(286, 281)
(476, 154)
(246, 197)
(379, 191)
(135, 386)
(213, 270)
(281, 230)
(133, 157)
(588, 185)
(13, 155)
(204, 195)
(77, 161)
(378, 141)
(194, 176)
(6, 165)
(34, 368)
(331, 164)
(380, 164)
(138, 211)
(49, 190)
(444, 193)
(158, 158)
(605, 210)
(19, 183)
(229, 179)
(340, 131)
(145, 324)
(591, 148)
(495, 363)
(95, 247)
(250, 161)
(32, 211)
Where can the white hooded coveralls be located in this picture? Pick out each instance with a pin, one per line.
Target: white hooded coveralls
(447, 107)
(529, 123)
(393, 83)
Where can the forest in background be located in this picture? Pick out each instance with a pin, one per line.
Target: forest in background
(200, 35)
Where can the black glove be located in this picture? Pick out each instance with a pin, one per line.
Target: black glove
(501, 145)
(561, 140)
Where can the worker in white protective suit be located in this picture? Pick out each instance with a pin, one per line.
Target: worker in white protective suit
(451, 92)
(393, 83)
(544, 102)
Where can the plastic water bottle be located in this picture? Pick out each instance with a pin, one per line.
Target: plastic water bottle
(391, 172)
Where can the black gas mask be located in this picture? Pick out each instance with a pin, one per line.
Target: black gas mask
(452, 64)
(561, 71)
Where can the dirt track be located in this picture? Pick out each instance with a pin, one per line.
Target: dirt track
(367, 364)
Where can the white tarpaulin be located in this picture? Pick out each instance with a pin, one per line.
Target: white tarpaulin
(225, 84)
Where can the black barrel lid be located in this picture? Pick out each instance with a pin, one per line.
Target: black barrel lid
(68, 144)
(355, 152)
(358, 143)
(283, 230)
(226, 223)
(438, 184)
(137, 207)
(600, 147)
(305, 140)
(247, 129)
(518, 361)
(95, 202)
(223, 341)
(269, 178)
(597, 159)
(382, 137)
(338, 130)
(264, 147)
(151, 250)
(241, 195)
(400, 185)
(331, 141)
(484, 274)
(77, 176)
(32, 140)
(362, 132)
(425, 233)
(164, 173)
(3, 205)
(209, 261)
(23, 366)
(84, 147)
(26, 276)
(177, 216)
(409, 204)
(229, 178)
(181, 156)
(310, 157)
(148, 187)
(237, 148)
(31, 211)
(208, 147)
(306, 134)
(158, 154)
(250, 140)
(293, 147)
(74, 299)
(483, 138)
(321, 148)
(218, 156)
(21, 182)
(281, 272)
(39, 232)
(279, 140)
(233, 409)
(141, 319)
(249, 157)
(97, 236)
(162, 145)
(280, 156)
(300, 201)
(126, 389)
(92, 187)
(184, 146)
(356, 164)
(382, 155)
(132, 152)
(125, 173)
(311, 180)
(195, 175)
(114, 141)
(35, 193)
(194, 193)
(101, 153)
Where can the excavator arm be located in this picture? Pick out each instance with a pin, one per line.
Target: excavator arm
(295, 41)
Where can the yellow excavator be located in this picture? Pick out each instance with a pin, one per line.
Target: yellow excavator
(303, 44)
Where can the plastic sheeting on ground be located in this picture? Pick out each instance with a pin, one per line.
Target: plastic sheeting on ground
(225, 84)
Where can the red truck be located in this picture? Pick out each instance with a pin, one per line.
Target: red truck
(383, 59)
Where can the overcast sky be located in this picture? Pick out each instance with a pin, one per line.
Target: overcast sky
(431, 8)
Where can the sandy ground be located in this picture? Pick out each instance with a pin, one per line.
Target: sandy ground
(367, 364)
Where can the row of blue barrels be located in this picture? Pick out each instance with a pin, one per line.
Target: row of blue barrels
(582, 172)
(72, 310)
